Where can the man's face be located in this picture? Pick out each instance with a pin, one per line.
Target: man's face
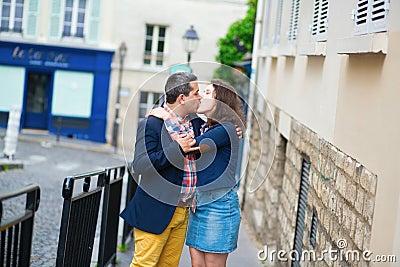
(192, 101)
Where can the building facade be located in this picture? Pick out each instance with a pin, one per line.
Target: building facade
(152, 32)
(325, 72)
(55, 64)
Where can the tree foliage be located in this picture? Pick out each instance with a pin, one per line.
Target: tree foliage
(241, 30)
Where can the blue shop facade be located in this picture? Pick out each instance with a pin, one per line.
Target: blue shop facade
(62, 90)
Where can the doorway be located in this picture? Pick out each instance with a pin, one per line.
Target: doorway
(37, 100)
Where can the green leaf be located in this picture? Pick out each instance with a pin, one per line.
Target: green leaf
(242, 29)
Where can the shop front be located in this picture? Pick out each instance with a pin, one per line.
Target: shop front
(61, 90)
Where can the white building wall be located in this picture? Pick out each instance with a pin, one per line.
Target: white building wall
(345, 90)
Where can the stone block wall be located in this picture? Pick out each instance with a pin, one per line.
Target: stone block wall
(341, 191)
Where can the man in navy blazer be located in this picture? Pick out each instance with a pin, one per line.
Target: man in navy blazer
(159, 221)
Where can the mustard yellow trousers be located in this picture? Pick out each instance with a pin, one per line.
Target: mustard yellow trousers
(165, 249)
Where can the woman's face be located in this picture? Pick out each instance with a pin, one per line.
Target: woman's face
(208, 101)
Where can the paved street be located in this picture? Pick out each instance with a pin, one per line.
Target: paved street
(47, 165)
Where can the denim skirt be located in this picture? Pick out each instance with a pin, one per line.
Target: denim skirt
(214, 226)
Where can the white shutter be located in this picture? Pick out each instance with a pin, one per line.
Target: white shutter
(319, 25)
(31, 19)
(323, 21)
(294, 21)
(266, 23)
(370, 16)
(315, 18)
(361, 17)
(278, 22)
(56, 19)
(94, 21)
(379, 10)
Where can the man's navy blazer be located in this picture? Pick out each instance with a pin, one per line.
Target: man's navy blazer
(159, 161)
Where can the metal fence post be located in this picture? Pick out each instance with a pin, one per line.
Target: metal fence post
(16, 233)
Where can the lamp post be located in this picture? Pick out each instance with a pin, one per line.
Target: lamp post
(122, 53)
(190, 42)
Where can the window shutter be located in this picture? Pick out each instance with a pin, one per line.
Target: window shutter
(379, 10)
(319, 25)
(56, 19)
(323, 21)
(315, 19)
(370, 16)
(361, 17)
(294, 21)
(301, 210)
(278, 22)
(266, 24)
(31, 19)
(94, 21)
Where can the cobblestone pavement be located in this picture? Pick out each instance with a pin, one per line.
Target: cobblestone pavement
(47, 166)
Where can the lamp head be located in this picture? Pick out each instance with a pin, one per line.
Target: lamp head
(122, 49)
(190, 40)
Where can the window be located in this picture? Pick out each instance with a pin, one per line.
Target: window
(319, 24)
(294, 21)
(12, 89)
(370, 16)
(79, 19)
(154, 45)
(149, 100)
(11, 15)
(72, 94)
(74, 18)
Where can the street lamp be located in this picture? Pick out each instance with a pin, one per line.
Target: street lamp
(190, 42)
(122, 53)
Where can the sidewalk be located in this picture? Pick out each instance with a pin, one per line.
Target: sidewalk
(244, 255)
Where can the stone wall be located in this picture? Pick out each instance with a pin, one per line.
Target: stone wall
(341, 191)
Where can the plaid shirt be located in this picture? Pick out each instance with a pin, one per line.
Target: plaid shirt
(175, 126)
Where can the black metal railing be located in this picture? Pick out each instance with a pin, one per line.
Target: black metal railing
(132, 185)
(79, 219)
(110, 215)
(80, 214)
(16, 231)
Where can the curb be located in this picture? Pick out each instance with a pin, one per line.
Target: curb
(7, 164)
(46, 142)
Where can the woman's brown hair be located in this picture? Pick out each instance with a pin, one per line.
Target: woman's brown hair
(229, 107)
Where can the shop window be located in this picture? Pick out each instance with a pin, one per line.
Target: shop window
(74, 18)
(11, 15)
(72, 94)
(370, 16)
(12, 88)
(154, 51)
(149, 100)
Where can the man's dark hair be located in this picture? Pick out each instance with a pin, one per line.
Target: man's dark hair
(178, 83)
